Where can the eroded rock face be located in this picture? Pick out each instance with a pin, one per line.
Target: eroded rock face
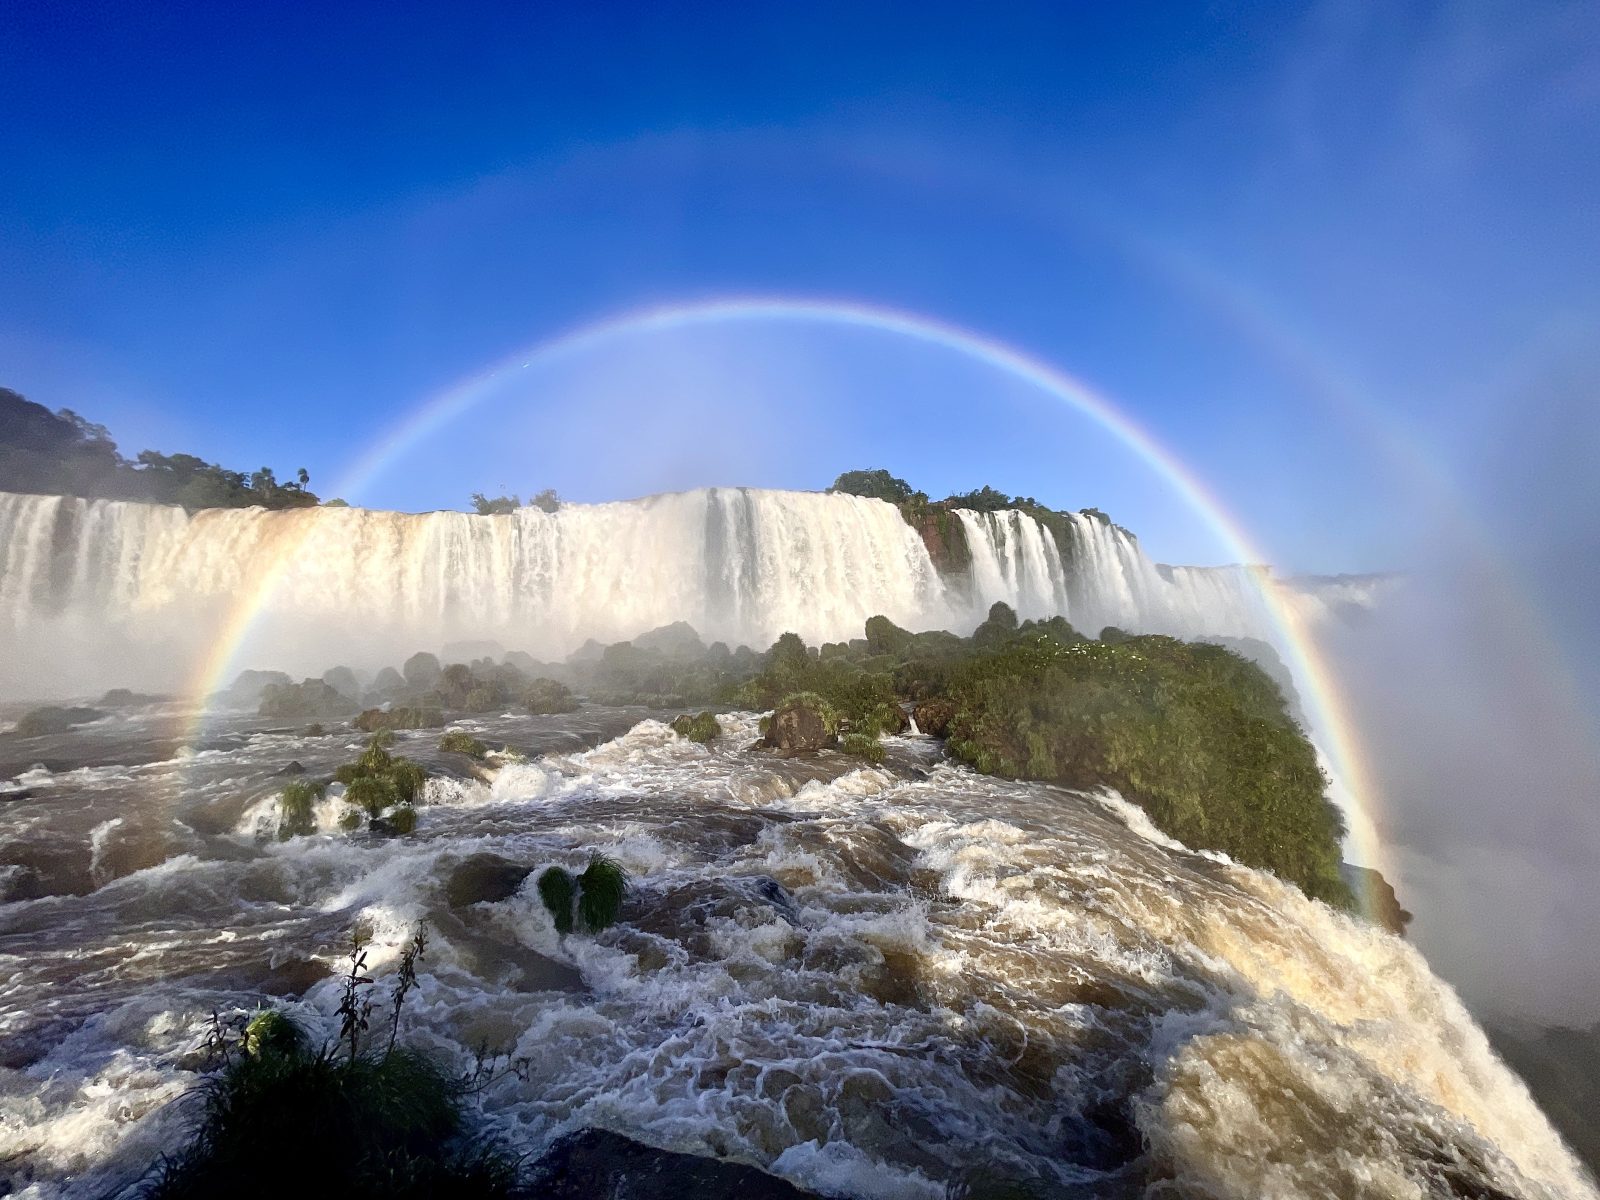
(1377, 897)
(933, 717)
(797, 727)
(596, 1164)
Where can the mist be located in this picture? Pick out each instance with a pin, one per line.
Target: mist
(1473, 687)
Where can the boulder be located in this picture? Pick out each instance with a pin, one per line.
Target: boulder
(124, 698)
(597, 1164)
(343, 680)
(311, 700)
(247, 688)
(375, 719)
(803, 722)
(676, 641)
(51, 719)
(388, 683)
(484, 879)
(933, 717)
(421, 670)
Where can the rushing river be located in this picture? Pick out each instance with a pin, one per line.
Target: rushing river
(880, 982)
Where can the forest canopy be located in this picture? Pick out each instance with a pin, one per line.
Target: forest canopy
(62, 454)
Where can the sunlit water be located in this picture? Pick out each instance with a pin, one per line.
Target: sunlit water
(872, 981)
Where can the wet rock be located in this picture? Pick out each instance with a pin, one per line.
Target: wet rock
(124, 698)
(801, 723)
(343, 680)
(421, 670)
(933, 717)
(247, 689)
(596, 1164)
(51, 719)
(375, 719)
(484, 879)
(294, 768)
(312, 700)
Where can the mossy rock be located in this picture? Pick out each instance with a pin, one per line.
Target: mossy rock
(803, 722)
(701, 728)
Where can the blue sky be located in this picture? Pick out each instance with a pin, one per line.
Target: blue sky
(1326, 252)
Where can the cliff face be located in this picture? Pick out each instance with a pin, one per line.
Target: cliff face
(1385, 905)
(940, 531)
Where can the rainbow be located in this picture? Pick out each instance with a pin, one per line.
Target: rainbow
(1323, 703)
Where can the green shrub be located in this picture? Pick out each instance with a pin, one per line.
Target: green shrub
(296, 817)
(283, 1119)
(861, 745)
(556, 891)
(702, 727)
(1195, 735)
(459, 741)
(590, 902)
(601, 889)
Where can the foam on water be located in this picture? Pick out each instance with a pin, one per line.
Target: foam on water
(874, 981)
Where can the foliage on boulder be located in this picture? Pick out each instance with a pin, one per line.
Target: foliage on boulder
(701, 727)
(543, 696)
(802, 722)
(312, 699)
(861, 745)
(376, 720)
(459, 741)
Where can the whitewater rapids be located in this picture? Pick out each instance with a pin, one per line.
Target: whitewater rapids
(875, 982)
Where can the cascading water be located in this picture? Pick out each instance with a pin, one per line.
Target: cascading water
(98, 593)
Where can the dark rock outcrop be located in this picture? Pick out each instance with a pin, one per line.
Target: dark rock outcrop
(484, 879)
(247, 689)
(374, 719)
(933, 717)
(596, 1164)
(802, 723)
(51, 719)
(1377, 897)
(312, 700)
(126, 698)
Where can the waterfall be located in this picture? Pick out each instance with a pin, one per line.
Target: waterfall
(138, 586)
(96, 593)
(1102, 577)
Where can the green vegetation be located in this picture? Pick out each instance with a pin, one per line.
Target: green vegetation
(488, 506)
(295, 804)
(378, 720)
(386, 787)
(459, 741)
(61, 454)
(875, 485)
(861, 745)
(491, 506)
(591, 902)
(701, 728)
(1193, 733)
(281, 1118)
